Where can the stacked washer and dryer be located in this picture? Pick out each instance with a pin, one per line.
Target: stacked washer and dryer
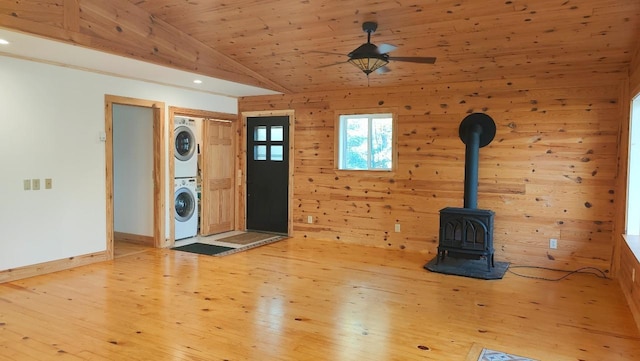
(186, 172)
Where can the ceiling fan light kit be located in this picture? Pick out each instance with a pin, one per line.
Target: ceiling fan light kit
(368, 57)
(368, 64)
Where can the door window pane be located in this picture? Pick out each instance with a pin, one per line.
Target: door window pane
(277, 134)
(276, 153)
(260, 133)
(260, 152)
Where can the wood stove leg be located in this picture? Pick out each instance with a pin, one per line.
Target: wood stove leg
(490, 262)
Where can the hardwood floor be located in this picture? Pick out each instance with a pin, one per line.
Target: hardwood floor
(300, 299)
(125, 248)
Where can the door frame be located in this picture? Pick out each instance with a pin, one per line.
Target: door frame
(159, 152)
(205, 114)
(241, 210)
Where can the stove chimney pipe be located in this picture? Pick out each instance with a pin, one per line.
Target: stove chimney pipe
(476, 131)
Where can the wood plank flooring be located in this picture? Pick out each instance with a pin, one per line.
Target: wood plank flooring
(302, 299)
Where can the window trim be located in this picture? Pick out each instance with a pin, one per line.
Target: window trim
(394, 141)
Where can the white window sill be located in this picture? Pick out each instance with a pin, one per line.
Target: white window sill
(634, 244)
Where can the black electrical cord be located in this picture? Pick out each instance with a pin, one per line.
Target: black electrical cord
(591, 270)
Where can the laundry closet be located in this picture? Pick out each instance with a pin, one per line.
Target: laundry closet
(204, 178)
(187, 134)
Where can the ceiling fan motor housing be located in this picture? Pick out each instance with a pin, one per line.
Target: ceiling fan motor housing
(369, 26)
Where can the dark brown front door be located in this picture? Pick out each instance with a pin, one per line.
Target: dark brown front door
(268, 174)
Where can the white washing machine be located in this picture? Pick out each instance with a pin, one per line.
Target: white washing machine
(185, 147)
(186, 208)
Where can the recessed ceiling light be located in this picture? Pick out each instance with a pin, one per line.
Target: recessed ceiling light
(198, 81)
(3, 42)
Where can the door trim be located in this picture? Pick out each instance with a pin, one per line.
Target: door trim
(241, 210)
(187, 112)
(159, 152)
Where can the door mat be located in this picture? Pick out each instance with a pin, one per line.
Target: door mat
(491, 355)
(246, 238)
(474, 268)
(230, 245)
(478, 353)
(202, 248)
(270, 238)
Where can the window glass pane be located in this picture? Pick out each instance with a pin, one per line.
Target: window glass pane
(260, 133)
(276, 153)
(356, 145)
(365, 141)
(633, 175)
(277, 133)
(381, 143)
(259, 152)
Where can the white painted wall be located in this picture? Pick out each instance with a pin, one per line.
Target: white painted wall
(51, 120)
(133, 170)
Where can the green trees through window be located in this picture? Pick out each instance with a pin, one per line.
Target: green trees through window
(365, 142)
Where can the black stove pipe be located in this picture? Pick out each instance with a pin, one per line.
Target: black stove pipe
(471, 167)
(476, 131)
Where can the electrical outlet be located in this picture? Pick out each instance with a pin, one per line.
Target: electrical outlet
(35, 184)
(553, 243)
(397, 227)
(27, 184)
(309, 219)
(48, 183)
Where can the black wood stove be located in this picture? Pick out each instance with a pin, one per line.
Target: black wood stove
(468, 232)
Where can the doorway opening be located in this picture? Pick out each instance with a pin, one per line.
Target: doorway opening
(158, 178)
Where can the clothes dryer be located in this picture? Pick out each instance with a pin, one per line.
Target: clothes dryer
(185, 147)
(186, 208)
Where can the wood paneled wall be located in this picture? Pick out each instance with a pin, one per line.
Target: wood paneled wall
(549, 173)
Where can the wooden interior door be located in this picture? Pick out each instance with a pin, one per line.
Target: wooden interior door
(217, 162)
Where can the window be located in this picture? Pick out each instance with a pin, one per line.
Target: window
(365, 142)
(633, 190)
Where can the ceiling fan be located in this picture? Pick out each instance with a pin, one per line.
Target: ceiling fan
(369, 58)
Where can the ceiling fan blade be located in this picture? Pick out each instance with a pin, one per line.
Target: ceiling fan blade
(386, 48)
(383, 69)
(414, 59)
(328, 65)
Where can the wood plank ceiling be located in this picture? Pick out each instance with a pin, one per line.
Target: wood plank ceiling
(276, 44)
(473, 40)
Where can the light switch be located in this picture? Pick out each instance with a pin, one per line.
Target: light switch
(48, 183)
(27, 184)
(35, 184)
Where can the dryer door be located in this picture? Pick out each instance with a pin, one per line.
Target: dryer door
(185, 204)
(185, 143)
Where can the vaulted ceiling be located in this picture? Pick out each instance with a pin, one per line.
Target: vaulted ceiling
(285, 45)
